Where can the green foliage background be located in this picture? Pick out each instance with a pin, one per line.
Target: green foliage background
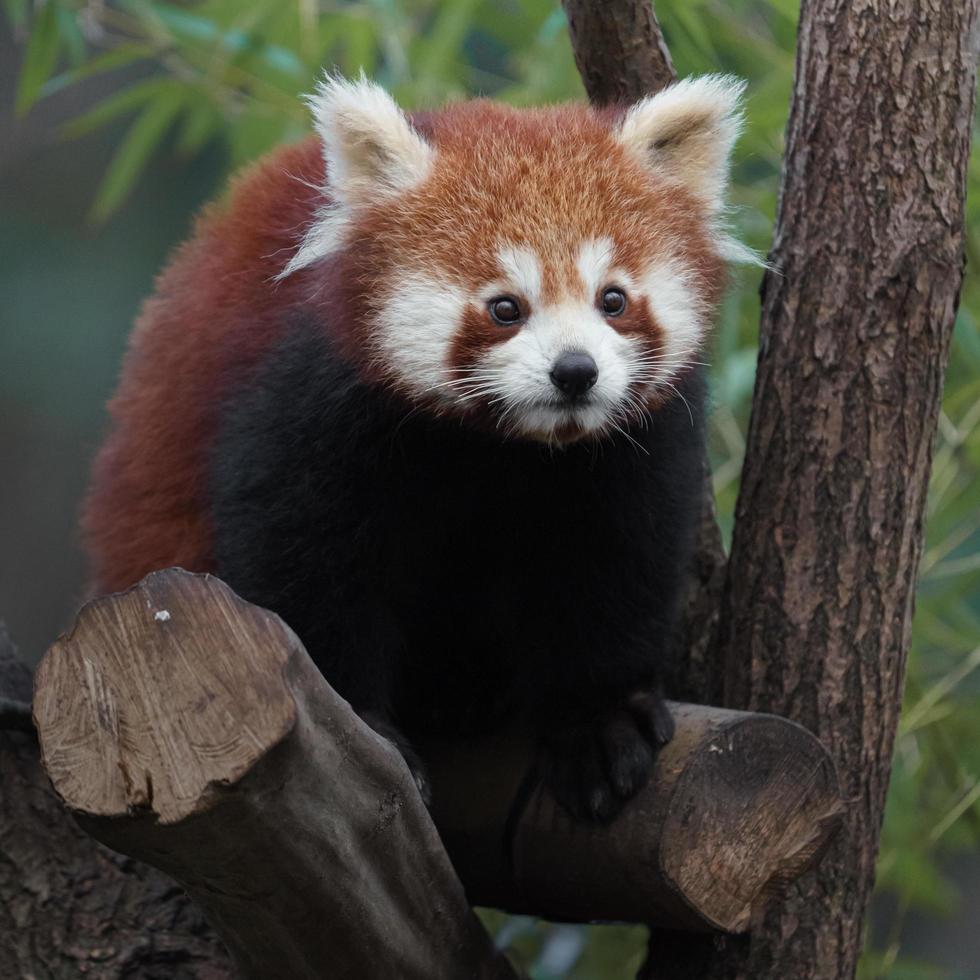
(231, 74)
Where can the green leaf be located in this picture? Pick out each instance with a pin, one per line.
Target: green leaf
(251, 134)
(125, 54)
(359, 47)
(200, 123)
(72, 39)
(118, 104)
(139, 143)
(442, 44)
(232, 40)
(40, 58)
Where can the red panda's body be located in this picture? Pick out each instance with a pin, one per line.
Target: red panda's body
(369, 393)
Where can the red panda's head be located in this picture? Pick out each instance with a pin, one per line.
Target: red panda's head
(550, 271)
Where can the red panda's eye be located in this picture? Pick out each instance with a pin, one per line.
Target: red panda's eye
(613, 301)
(505, 310)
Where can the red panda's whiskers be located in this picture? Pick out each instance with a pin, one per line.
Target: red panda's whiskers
(461, 382)
(643, 449)
(687, 404)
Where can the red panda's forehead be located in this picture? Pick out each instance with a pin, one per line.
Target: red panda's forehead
(548, 180)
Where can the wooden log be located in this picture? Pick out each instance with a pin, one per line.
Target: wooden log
(70, 907)
(190, 729)
(739, 805)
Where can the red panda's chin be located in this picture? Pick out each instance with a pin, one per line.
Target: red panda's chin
(569, 432)
(563, 425)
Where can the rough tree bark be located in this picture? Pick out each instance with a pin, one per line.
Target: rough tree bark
(619, 49)
(815, 618)
(854, 340)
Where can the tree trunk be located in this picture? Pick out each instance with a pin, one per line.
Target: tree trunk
(856, 326)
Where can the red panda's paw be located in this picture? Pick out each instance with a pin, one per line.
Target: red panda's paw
(653, 716)
(389, 730)
(594, 768)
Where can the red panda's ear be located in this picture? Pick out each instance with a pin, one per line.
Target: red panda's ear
(686, 133)
(372, 153)
(370, 147)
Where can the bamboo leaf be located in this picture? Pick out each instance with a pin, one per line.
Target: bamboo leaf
(139, 143)
(125, 54)
(200, 123)
(40, 58)
(118, 104)
(72, 39)
(443, 41)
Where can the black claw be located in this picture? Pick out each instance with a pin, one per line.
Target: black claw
(653, 717)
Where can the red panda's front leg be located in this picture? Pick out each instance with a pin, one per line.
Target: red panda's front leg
(593, 765)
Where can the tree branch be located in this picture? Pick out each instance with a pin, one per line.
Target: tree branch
(190, 729)
(619, 49)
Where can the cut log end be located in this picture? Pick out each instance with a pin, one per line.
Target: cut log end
(190, 730)
(160, 695)
(752, 810)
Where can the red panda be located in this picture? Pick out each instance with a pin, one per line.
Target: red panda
(429, 388)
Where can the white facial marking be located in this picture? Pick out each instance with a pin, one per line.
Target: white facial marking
(514, 376)
(595, 263)
(529, 403)
(418, 343)
(522, 272)
(672, 300)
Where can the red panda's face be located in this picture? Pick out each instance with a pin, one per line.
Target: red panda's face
(548, 271)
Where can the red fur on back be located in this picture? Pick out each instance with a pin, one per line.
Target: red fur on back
(214, 312)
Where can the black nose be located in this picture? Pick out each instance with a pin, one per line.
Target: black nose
(574, 373)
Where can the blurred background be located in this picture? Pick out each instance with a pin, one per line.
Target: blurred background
(119, 119)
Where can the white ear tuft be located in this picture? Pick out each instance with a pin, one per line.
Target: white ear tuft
(372, 153)
(686, 133)
(369, 145)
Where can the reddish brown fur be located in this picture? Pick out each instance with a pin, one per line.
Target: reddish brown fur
(546, 178)
(528, 178)
(214, 311)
